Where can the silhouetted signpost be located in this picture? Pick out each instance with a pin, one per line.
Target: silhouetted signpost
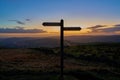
(62, 29)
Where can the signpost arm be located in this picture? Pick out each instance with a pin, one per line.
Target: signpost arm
(62, 48)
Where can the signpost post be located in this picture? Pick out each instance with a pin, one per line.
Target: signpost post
(62, 29)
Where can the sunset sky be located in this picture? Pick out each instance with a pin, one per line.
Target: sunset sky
(25, 17)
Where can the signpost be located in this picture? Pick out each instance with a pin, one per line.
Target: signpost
(62, 29)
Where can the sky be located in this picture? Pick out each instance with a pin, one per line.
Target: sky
(25, 17)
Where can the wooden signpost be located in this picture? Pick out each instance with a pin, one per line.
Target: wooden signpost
(62, 29)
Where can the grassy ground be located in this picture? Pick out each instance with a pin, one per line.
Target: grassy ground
(86, 62)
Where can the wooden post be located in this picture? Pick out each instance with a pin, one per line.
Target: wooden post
(62, 29)
(62, 48)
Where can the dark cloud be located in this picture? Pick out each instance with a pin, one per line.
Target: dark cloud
(20, 30)
(19, 22)
(99, 28)
(96, 28)
(19, 27)
(112, 29)
(27, 19)
(117, 25)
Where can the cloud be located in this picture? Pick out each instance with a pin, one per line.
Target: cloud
(20, 30)
(97, 26)
(104, 29)
(27, 19)
(18, 27)
(117, 25)
(112, 29)
(19, 22)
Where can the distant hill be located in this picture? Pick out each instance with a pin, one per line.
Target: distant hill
(92, 39)
(27, 42)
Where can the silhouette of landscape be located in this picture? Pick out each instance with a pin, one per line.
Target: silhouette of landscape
(83, 61)
(30, 42)
(59, 39)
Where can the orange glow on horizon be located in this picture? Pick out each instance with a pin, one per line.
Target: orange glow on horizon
(55, 31)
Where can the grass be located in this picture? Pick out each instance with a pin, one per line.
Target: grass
(84, 62)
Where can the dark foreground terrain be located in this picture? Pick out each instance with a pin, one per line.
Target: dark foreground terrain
(85, 62)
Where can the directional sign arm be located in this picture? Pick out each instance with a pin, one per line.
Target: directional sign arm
(51, 24)
(72, 28)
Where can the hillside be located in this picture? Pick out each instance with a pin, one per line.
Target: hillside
(92, 39)
(30, 42)
(83, 62)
